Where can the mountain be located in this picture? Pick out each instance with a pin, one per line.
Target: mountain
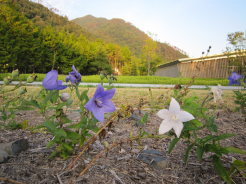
(43, 16)
(123, 33)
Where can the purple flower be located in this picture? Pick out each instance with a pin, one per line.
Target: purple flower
(234, 79)
(73, 76)
(101, 102)
(50, 81)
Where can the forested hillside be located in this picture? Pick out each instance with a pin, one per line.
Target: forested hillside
(124, 33)
(29, 48)
(34, 38)
(43, 16)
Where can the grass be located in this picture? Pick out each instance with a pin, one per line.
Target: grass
(136, 79)
(124, 96)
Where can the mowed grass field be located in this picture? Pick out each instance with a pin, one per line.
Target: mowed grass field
(135, 79)
(125, 96)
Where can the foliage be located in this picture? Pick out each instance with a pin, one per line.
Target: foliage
(120, 32)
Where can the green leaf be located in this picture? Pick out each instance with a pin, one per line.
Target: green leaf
(244, 175)
(196, 123)
(52, 154)
(213, 148)
(220, 137)
(67, 147)
(49, 96)
(211, 120)
(172, 144)
(73, 135)
(187, 153)
(50, 143)
(32, 103)
(50, 126)
(38, 127)
(54, 98)
(227, 150)
(213, 128)
(144, 119)
(239, 163)
(25, 108)
(69, 102)
(199, 152)
(60, 105)
(221, 170)
(61, 132)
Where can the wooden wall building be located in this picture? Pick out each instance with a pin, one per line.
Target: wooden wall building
(213, 66)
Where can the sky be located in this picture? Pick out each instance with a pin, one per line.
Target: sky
(191, 25)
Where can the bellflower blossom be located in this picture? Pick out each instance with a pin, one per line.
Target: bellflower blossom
(50, 81)
(73, 76)
(101, 102)
(173, 118)
(234, 79)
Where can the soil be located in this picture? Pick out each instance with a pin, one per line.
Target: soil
(32, 166)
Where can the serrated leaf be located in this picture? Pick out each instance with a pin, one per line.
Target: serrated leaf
(144, 119)
(49, 96)
(213, 128)
(38, 127)
(52, 154)
(213, 148)
(172, 144)
(60, 105)
(239, 163)
(221, 170)
(50, 126)
(199, 152)
(220, 137)
(32, 103)
(187, 153)
(227, 150)
(73, 135)
(196, 123)
(67, 147)
(61, 132)
(50, 143)
(25, 108)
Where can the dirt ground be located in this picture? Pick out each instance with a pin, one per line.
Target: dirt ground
(32, 166)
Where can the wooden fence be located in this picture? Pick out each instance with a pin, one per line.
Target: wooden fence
(216, 68)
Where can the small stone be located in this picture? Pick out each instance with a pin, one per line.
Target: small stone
(135, 151)
(73, 115)
(142, 175)
(122, 151)
(4, 156)
(137, 117)
(15, 147)
(154, 158)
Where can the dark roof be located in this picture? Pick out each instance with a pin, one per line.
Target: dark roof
(169, 64)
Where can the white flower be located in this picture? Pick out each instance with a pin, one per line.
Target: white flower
(65, 97)
(173, 118)
(217, 93)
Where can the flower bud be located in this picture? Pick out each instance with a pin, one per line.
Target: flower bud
(103, 75)
(112, 79)
(31, 78)
(15, 73)
(65, 97)
(22, 90)
(7, 80)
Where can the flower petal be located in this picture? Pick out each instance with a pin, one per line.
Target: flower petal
(50, 79)
(90, 104)
(165, 126)
(99, 90)
(108, 106)
(164, 114)
(184, 116)
(67, 78)
(107, 95)
(174, 106)
(178, 127)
